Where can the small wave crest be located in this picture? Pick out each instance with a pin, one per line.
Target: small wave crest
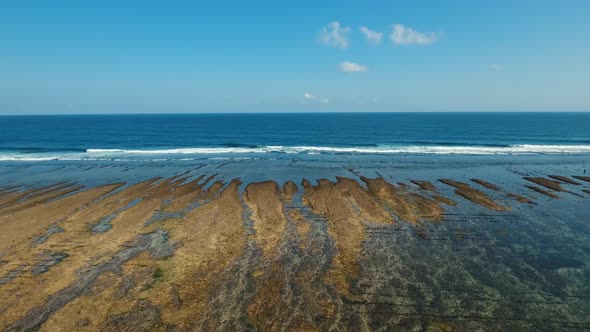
(184, 153)
(382, 149)
(238, 145)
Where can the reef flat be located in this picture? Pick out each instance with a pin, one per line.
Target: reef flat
(235, 245)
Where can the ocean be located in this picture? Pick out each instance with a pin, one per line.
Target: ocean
(362, 221)
(186, 136)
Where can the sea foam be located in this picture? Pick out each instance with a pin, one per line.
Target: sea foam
(514, 149)
(188, 153)
(383, 149)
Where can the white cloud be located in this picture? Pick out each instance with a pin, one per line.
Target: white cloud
(403, 35)
(334, 35)
(314, 99)
(351, 67)
(373, 37)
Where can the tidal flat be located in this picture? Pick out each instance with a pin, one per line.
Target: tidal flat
(403, 243)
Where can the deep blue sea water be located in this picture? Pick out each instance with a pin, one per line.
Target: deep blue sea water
(100, 137)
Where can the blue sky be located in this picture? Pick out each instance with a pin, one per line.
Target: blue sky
(254, 56)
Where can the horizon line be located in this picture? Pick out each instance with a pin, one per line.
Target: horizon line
(300, 112)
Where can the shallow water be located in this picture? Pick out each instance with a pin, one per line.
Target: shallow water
(523, 269)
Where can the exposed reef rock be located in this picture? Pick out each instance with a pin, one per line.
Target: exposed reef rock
(551, 184)
(582, 178)
(564, 179)
(445, 200)
(267, 213)
(424, 185)
(486, 184)
(345, 225)
(474, 195)
(542, 191)
(187, 252)
(521, 199)
(407, 206)
(289, 189)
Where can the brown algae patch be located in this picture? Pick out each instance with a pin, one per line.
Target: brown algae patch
(551, 184)
(38, 196)
(315, 196)
(289, 189)
(278, 303)
(424, 185)
(474, 195)
(486, 184)
(542, 191)
(12, 197)
(36, 316)
(344, 227)
(347, 206)
(492, 186)
(110, 207)
(261, 312)
(184, 195)
(520, 198)
(367, 205)
(445, 200)
(392, 198)
(303, 226)
(267, 213)
(15, 199)
(426, 208)
(582, 178)
(407, 206)
(213, 189)
(86, 249)
(8, 190)
(564, 179)
(22, 224)
(179, 273)
(403, 186)
(211, 237)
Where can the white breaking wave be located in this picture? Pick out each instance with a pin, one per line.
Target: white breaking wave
(515, 149)
(28, 158)
(134, 154)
